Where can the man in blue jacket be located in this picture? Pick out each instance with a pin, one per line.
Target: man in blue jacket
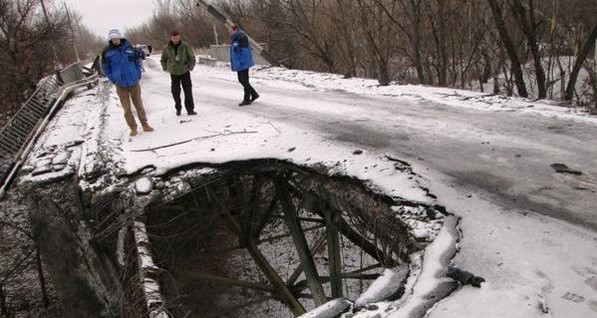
(122, 66)
(241, 59)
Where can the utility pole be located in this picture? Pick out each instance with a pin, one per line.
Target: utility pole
(228, 22)
(43, 8)
(216, 34)
(73, 33)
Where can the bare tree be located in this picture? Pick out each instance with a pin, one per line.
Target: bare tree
(24, 55)
(375, 31)
(515, 61)
(580, 58)
(528, 24)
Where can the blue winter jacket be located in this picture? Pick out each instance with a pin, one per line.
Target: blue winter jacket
(121, 64)
(241, 52)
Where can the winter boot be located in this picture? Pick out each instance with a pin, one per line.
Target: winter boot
(147, 128)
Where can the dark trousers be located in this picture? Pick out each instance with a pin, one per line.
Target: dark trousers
(187, 86)
(250, 93)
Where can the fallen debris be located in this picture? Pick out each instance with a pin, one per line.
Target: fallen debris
(464, 277)
(562, 168)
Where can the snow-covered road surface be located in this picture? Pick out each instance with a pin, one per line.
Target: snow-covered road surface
(532, 233)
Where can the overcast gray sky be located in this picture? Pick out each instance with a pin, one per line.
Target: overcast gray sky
(102, 15)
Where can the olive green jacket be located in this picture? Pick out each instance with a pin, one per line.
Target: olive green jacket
(186, 59)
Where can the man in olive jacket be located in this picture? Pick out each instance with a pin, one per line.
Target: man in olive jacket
(178, 59)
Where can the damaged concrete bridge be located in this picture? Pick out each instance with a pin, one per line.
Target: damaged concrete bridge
(312, 201)
(245, 217)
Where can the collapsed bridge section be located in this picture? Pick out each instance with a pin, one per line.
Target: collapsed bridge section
(195, 238)
(271, 238)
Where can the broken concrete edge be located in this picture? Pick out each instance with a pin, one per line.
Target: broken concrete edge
(432, 283)
(317, 168)
(84, 276)
(423, 220)
(411, 213)
(151, 287)
(57, 171)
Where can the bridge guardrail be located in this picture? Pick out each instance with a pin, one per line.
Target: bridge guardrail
(21, 132)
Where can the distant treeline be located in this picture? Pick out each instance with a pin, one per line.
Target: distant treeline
(512, 47)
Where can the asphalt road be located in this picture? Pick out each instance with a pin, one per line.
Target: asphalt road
(505, 154)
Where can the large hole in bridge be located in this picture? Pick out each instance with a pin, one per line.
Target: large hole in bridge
(273, 240)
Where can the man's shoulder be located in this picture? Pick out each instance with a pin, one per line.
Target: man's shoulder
(186, 45)
(166, 48)
(107, 48)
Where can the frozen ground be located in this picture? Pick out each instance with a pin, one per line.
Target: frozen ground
(531, 233)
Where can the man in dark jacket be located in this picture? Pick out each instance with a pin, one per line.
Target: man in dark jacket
(179, 60)
(241, 59)
(121, 65)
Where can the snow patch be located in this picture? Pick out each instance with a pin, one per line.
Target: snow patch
(387, 285)
(331, 309)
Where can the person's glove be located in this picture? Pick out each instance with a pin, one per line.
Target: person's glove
(476, 281)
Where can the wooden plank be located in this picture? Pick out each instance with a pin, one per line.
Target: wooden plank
(334, 249)
(227, 281)
(319, 243)
(284, 294)
(310, 201)
(300, 242)
(251, 219)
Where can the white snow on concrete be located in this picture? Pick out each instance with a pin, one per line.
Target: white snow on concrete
(433, 273)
